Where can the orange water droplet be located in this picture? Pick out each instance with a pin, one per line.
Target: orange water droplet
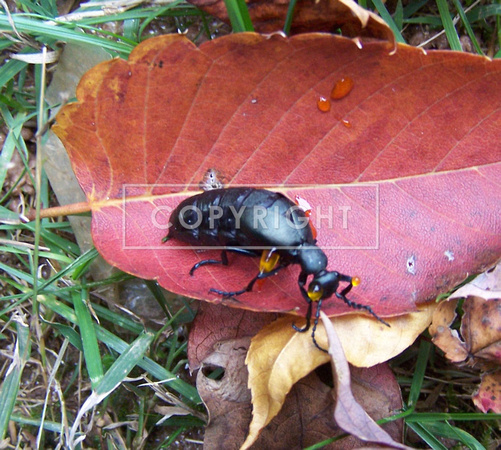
(342, 88)
(323, 104)
(355, 281)
(346, 123)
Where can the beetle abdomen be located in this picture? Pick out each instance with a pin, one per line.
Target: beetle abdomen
(244, 217)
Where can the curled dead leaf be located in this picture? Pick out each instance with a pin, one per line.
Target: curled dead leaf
(443, 336)
(478, 343)
(487, 285)
(279, 356)
(349, 414)
(309, 15)
(226, 397)
(479, 339)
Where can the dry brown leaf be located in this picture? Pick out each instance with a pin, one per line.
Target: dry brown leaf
(481, 330)
(366, 342)
(487, 285)
(478, 343)
(479, 339)
(268, 16)
(443, 336)
(217, 323)
(279, 356)
(227, 398)
(349, 414)
(480, 336)
(488, 396)
(307, 416)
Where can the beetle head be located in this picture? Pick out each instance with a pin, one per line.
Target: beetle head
(323, 285)
(184, 223)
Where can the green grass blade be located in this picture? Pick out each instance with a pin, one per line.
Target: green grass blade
(8, 216)
(446, 430)
(239, 16)
(112, 379)
(424, 20)
(436, 417)
(129, 359)
(450, 30)
(119, 345)
(48, 285)
(53, 239)
(427, 436)
(289, 17)
(61, 32)
(10, 69)
(386, 16)
(398, 17)
(413, 7)
(419, 371)
(467, 26)
(117, 319)
(155, 369)
(68, 332)
(10, 142)
(16, 273)
(89, 339)
(12, 380)
(482, 12)
(48, 426)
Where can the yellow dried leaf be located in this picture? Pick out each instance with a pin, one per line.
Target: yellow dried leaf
(279, 356)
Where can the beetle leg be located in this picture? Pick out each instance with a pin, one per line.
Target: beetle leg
(301, 281)
(224, 258)
(241, 251)
(205, 262)
(315, 323)
(346, 279)
(308, 319)
(248, 288)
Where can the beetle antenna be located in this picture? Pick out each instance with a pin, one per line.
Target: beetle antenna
(342, 296)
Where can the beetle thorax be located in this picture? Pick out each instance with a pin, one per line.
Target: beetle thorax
(312, 259)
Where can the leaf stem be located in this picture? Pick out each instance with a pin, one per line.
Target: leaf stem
(57, 211)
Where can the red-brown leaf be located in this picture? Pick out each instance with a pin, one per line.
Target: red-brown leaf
(424, 133)
(217, 323)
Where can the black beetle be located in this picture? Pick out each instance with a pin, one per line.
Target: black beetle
(251, 221)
